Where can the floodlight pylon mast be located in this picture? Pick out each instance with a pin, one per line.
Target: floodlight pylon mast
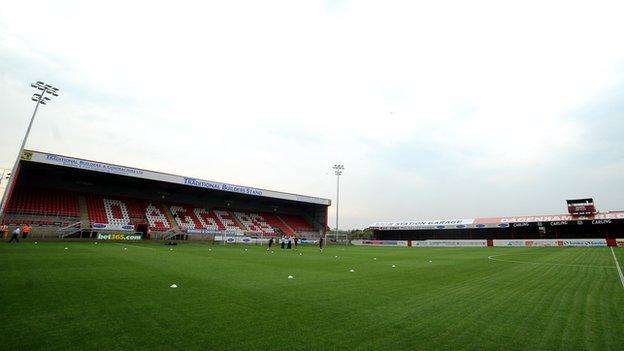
(338, 169)
(41, 99)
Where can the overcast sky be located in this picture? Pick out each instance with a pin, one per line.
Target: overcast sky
(437, 109)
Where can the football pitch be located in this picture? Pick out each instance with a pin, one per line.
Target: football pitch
(117, 296)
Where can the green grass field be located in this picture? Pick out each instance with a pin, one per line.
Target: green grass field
(104, 297)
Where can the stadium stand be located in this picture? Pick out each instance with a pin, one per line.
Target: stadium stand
(45, 207)
(297, 223)
(156, 217)
(136, 211)
(66, 197)
(95, 206)
(227, 220)
(254, 222)
(44, 202)
(185, 217)
(277, 223)
(208, 219)
(116, 212)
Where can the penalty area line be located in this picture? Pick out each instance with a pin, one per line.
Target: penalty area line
(617, 265)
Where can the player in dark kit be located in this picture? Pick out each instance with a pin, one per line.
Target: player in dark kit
(270, 244)
(321, 243)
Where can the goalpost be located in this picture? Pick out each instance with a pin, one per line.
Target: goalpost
(245, 238)
(337, 239)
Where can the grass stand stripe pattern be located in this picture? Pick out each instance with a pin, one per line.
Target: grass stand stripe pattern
(496, 258)
(618, 267)
(198, 296)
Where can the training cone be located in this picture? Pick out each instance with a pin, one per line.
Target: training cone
(173, 286)
(290, 277)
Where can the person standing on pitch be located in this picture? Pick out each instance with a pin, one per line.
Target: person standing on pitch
(289, 243)
(270, 244)
(296, 242)
(283, 242)
(16, 234)
(26, 230)
(4, 231)
(321, 243)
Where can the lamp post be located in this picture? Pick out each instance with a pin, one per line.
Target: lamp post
(41, 99)
(338, 171)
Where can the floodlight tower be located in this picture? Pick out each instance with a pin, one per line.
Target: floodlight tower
(41, 99)
(338, 171)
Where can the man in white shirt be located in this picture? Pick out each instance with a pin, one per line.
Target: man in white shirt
(16, 234)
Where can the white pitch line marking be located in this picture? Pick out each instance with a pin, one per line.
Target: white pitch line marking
(618, 267)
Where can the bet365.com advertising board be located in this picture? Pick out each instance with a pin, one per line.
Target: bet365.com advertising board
(119, 236)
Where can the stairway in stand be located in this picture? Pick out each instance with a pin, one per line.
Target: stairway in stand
(291, 230)
(174, 224)
(84, 212)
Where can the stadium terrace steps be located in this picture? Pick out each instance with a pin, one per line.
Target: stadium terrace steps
(208, 219)
(136, 211)
(84, 211)
(36, 206)
(296, 223)
(37, 220)
(185, 217)
(158, 217)
(276, 222)
(236, 221)
(44, 202)
(254, 222)
(96, 213)
(228, 220)
(167, 212)
(116, 212)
